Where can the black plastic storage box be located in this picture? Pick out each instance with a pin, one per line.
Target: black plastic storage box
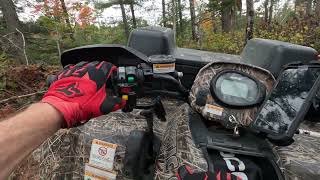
(160, 41)
(152, 40)
(273, 55)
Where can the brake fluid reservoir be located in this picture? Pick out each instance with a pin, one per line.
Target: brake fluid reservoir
(163, 63)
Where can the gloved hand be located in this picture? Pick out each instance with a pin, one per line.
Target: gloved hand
(186, 173)
(79, 92)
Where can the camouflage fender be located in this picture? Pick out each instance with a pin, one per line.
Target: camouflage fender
(202, 83)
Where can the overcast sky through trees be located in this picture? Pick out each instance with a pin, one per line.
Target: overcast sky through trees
(150, 11)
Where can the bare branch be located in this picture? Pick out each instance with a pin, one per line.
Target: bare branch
(58, 42)
(5, 37)
(22, 96)
(24, 47)
(8, 34)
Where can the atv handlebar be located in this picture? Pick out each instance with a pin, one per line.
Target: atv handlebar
(133, 82)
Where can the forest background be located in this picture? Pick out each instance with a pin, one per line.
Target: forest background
(38, 31)
(34, 33)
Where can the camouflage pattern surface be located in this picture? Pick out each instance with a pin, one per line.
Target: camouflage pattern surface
(301, 160)
(202, 83)
(70, 156)
(64, 155)
(178, 148)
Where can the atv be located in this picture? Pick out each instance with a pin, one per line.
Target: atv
(191, 110)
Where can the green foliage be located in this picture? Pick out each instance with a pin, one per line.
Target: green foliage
(48, 34)
(218, 5)
(4, 63)
(104, 5)
(298, 30)
(43, 47)
(47, 23)
(94, 35)
(231, 43)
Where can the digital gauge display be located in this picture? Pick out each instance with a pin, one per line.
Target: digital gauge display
(237, 89)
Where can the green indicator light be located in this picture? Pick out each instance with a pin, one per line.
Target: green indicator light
(130, 79)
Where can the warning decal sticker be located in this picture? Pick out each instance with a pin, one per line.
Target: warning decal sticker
(164, 68)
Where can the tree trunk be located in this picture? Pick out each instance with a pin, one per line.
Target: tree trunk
(193, 19)
(317, 11)
(250, 20)
(12, 22)
(66, 17)
(214, 25)
(124, 19)
(309, 7)
(232, 18)
(297, 5)
(164, 19)
(134, 21)
(226, 19)
(213, 9)
(266, 11)
(174, 19)
(270, 14)
(180, 16)
(10, 15)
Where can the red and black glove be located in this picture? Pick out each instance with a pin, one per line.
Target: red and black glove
(79, 92)
(186, 173)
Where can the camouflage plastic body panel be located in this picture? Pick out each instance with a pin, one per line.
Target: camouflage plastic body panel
(178, 148)
(301, 160)
(202, 83)
(113, 128)
(64, 155)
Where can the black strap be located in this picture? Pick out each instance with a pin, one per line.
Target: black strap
(247, 144)
(198, 129)
(199, 133)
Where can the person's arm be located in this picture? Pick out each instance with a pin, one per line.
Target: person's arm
(23, 133)
(78, 94)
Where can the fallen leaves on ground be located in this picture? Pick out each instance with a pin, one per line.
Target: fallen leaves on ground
(17, 80)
